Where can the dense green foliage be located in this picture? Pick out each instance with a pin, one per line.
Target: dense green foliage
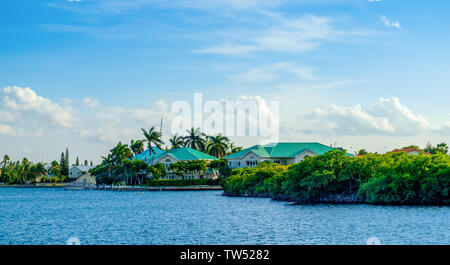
(119, 167)
(23, 172)
(441, 148)
(396, 178)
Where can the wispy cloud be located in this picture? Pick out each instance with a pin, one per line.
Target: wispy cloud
(389, 23)
(273, 72)
(282, 35)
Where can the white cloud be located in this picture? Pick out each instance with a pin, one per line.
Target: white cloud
(389, 23)
(29, 114)
(386, 117)
(90, 102)
(283, 35)
(6, 117)
(121, 6)
(272, 72)
(25, 101)
(6, 129)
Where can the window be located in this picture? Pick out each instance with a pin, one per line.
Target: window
(252, 163)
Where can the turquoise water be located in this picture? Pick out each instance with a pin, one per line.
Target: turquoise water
(51, 216)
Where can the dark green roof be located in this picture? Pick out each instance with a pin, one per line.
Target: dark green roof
(185, 153)
(283, 150)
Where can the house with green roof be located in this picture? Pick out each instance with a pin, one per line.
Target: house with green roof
(146, 156)
(182, 154)
(281, 153)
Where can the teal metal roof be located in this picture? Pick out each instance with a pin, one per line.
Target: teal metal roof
(283, 150)
(185, 153)
(145, 156)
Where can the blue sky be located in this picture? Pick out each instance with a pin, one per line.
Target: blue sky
(363, 74)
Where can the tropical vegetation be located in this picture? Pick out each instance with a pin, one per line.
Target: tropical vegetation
(119, 166)
(396, 178)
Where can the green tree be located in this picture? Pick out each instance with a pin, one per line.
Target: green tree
(55, 169)
(153, 138)
(176, 141)
(218, 145)
(120, 156)
(64, 163)
(77, 162)
(137, 146)
(234, 149)
(157, 171)
(5, 161)
(222, 166)
(442, 148)
(362, 152)
(195, 139)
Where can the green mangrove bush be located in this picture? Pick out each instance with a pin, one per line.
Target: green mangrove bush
(396, 178)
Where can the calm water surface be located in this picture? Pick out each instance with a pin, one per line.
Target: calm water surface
(51, 216)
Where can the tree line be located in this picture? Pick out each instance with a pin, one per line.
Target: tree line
(27, 172)
(335, 177)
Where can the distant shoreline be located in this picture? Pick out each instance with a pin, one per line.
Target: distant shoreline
(118, 188)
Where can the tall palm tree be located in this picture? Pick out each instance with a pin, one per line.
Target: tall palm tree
(137, 146)
(120, 155)
(108, 163)
(195, 139)
(176, 141)
(218, 145)
(152, 137)
(5, 160)
(234, 149)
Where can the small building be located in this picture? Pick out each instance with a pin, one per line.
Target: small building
(86, 179)
(77, 171)
(281, 153)
(183, 154)
(410, 151)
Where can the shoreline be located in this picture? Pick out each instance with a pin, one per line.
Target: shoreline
(351, 199)
(332, 199)
(154, 188)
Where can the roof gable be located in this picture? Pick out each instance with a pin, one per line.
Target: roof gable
(185, 153)
(146, 156)
(283, 150)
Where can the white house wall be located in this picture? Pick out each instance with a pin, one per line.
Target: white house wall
(303, 155)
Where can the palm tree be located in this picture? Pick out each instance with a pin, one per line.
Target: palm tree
(120, 155)
(137, 146)
(152, 137)
(176, 141)
(108, 163)
(5, 160)
(218, 145)
(195, 139)
(234, 149)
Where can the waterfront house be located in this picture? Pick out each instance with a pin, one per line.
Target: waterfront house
(86, 180)
(182, 154)
(281, 153)
(77, 171)
(146, 156)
